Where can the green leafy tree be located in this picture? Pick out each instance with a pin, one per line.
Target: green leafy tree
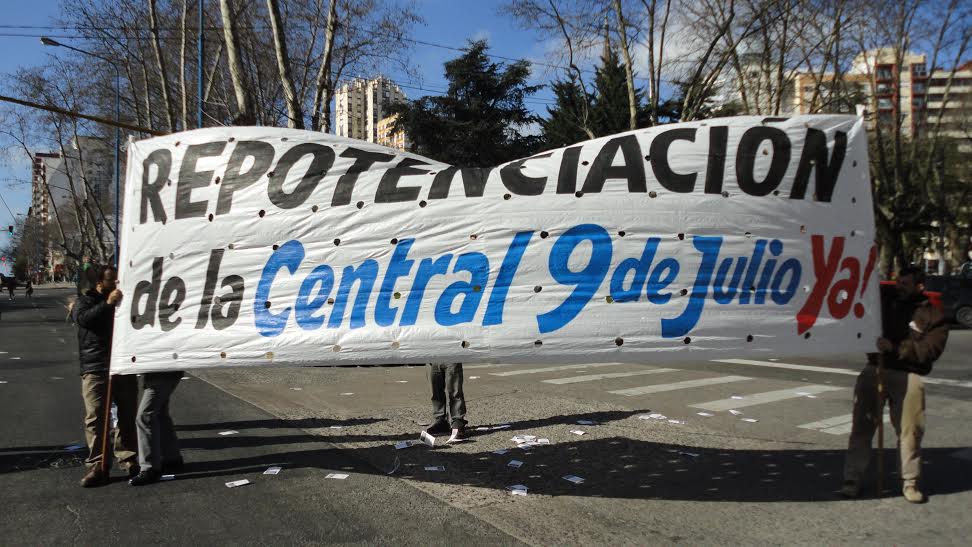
(481, 119)
(568, 119)
(609, 111)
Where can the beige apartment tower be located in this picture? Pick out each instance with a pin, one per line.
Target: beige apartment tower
(361, 104)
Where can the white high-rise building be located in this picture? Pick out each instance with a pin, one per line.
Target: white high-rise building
(361, 104)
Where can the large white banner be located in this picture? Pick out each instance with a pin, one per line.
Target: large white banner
(728, 237)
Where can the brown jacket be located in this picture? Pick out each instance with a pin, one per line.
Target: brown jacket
(916, 328)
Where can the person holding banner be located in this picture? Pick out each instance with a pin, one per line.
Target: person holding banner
(446, 382)
(94, 313)
(913, 336)
(158, 446)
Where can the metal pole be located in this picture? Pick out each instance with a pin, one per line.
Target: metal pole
(117, 149)
(199, 63)
(880, 427)
(106, 428)
(80, 115)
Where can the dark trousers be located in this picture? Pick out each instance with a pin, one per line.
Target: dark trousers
(157, 441)
(446, 382)
(124, 392)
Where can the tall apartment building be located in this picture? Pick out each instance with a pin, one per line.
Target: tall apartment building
(898, 91)
(387, 136)
(957, 110)
(49, 189)
(361, 104)
(875, 83)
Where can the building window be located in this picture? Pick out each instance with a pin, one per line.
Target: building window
(919, 70)
(884, 73)
(885, 103)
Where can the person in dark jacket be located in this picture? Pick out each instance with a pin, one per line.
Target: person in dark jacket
(94, 314)
(913, 336)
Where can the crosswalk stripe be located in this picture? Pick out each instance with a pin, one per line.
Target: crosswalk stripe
(593, 377)
(834, 370)
(657, 388)
(554, 369)
(487, 365)
(790, 366)
(838, 425)
(763, 398)
(829, 422)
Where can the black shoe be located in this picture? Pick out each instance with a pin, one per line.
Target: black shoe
(438, 428)
(133, 471)
(145, 477)
(173, 465)
(459, 434)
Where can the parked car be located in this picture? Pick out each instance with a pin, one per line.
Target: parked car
(956, 291)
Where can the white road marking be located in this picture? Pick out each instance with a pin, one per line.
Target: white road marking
(832, 370)
(838, 425)
(554, 369)
(593, 377)
(789, 366)
(485, 365)
(657, 388)
(763, 398)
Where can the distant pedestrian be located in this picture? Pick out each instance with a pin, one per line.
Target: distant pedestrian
(158, 446)
(29, 290)
(446, 382)
(11, 284)
(94, 314)
(913, 336)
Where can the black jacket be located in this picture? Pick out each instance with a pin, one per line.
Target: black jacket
(95, 319)
(916, 329)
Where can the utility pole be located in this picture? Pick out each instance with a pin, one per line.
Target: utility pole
(940, 175)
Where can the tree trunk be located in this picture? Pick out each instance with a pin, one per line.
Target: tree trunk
(322, 87)
(244, 104)
(182, 66)
(160, 65)
(628, 69)
(148, 95)
(295, 113)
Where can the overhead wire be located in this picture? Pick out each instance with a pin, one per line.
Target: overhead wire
(82, 28)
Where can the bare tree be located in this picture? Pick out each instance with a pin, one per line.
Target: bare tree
(163, 74)
(628, 64)
(244, 104)
(323, 89)
(655, 61)
(295, 114)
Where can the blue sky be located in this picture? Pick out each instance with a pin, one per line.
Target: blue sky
(448, 22)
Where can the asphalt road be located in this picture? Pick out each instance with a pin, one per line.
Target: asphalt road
(43, 504)
(706, 479)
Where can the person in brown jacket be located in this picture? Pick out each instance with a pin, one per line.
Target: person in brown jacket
(913, 336)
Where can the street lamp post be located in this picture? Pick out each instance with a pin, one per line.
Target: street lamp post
(49, 42)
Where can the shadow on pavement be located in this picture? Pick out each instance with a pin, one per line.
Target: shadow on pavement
(614, 467)
(276, 424)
